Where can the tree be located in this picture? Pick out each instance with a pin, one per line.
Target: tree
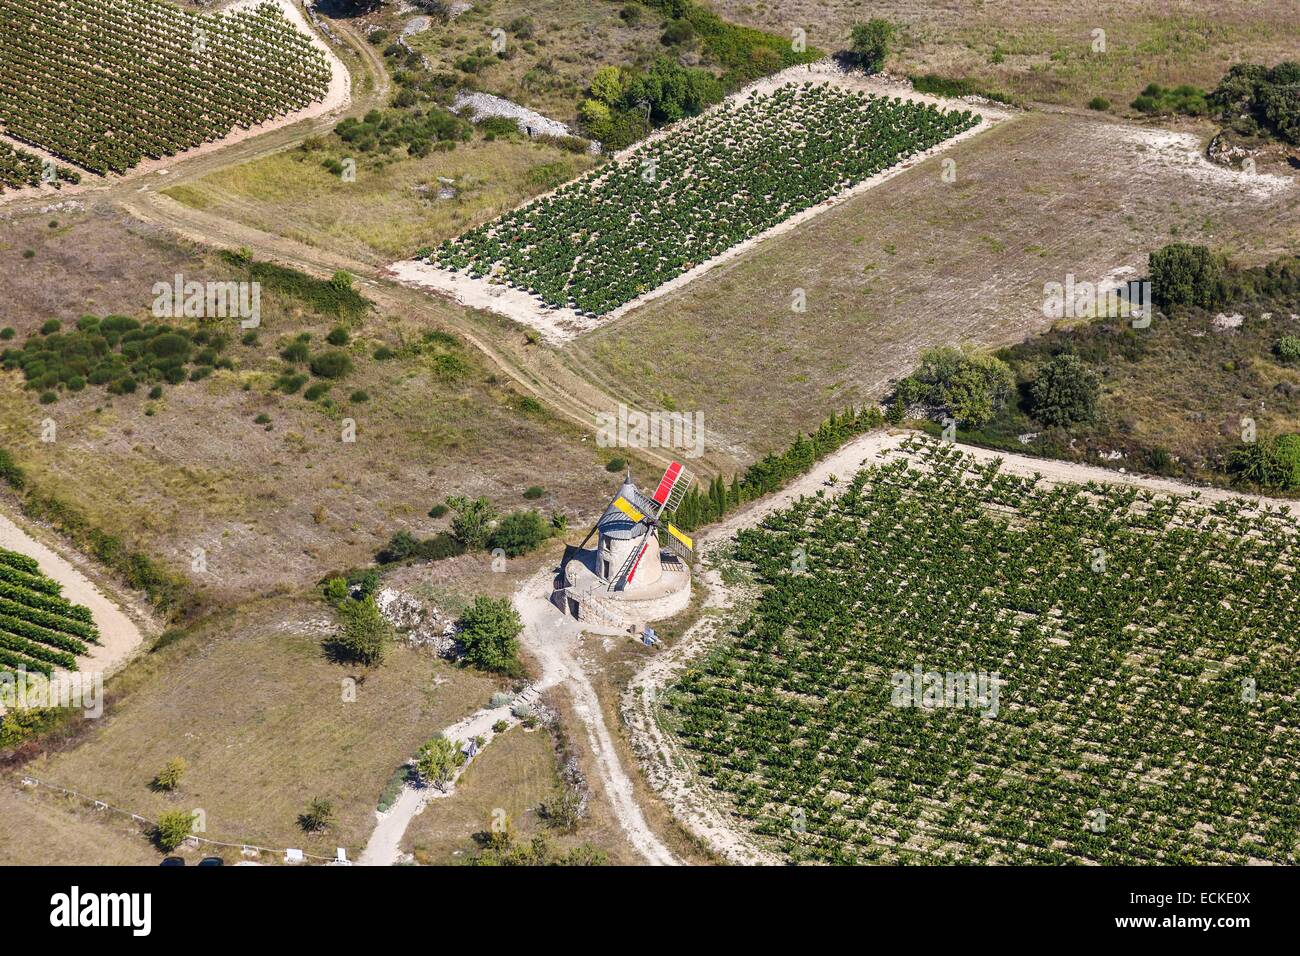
(437, 761)
(1183, 274)
(318, 816)
(1065, 392)
(607, 86)
(489, 633)
(519, 532)
(870, 43)
(472, 522)
(972, 388)
(365, 635)
(173, 829)
(169, 777)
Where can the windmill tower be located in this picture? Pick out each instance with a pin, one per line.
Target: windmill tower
(639, 569)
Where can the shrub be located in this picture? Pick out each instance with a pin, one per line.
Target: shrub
(383, 353)
(359, 396)
(971, 387)
(318, 390)
(472, 522)
(295, 352)
(50, 326)
(1185, 99)
(365, 635)
(1288, 348)
(156, 392)
(437, 761)
(437, 511)
(262, 419)
(173, 829)
(169, 777)
(331, 364)
(1183, 274)
(500, 727)
(1272, 462)
(338, 336)
(533, 493)
(615, 465)
(870, 43)
(7, 333)
(1099, 103)
(1065, 392)
(318, 816)
(519, 532)
(489, 633)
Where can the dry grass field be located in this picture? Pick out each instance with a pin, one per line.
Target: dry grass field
(273, 505)
(921, 262)
(39, 830)
(515, 774)
(255, 708)
(1042, 51)
(392, 209)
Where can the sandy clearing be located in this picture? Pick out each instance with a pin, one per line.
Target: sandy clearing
(667, 767)
(119, 635)
(1182, 153)
(560, 325)
(337, 98)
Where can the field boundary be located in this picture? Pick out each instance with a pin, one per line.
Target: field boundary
(666, 767)
(559, 325)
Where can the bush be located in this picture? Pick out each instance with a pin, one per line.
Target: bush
(319, 390)
(295, 352)
(1288, 348)
(615, 465)
(437, 761)
(1186, 99)
(533, 493)
(169, 777)
(1183, 274)
(437, 511)
(359, 397)
(519, 532)
(1065, 392)
(318, 816)
(50, 326)
(972, 388)
(1099, 103)
(331, 364)
(489, 634)
(383, 353)
(338, 336)
(173, 829)
(1252, 98)
(1272, 462)
(473, 520)
(7, 333)
(870, 43)
(365, 635)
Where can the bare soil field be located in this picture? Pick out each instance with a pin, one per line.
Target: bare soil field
(1042, 51)
(923, 262)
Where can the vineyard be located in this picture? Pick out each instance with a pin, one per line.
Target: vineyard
(19, 168)
(39, 630)
(107, 84)
(706, 186)
(1143, 647)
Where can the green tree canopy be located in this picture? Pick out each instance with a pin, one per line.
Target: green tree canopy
(489, 633)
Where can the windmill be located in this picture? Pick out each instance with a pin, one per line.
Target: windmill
(629, 530)
(649, 513)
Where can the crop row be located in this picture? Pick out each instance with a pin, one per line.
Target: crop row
(1143, 646)
(706, 186)
(39, 629)
(105, 84)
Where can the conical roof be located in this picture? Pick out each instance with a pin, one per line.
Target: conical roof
(614, 523)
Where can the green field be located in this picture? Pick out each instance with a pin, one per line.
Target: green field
(1141, 646)
(39, 630)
